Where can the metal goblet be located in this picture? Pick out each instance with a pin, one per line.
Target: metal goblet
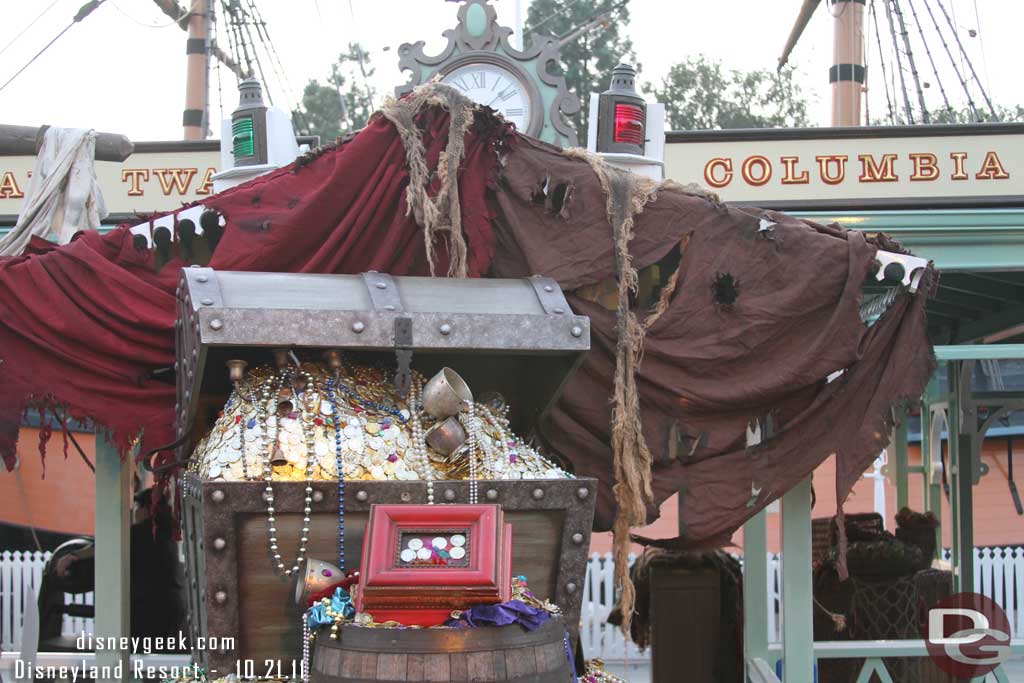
(445, 394)
(446, 436)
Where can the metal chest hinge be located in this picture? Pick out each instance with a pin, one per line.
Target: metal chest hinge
(385, 298)
(403, 354)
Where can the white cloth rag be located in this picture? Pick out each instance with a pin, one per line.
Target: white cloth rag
(64, 195)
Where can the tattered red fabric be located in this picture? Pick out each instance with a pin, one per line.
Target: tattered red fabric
(757, 320)
(87, 328)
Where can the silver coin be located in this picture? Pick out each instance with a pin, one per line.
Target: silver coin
(214, 470)
(458, 540)
(457, 553)
(439, 542)
(424, 554)
(408, 555)
(415, 543)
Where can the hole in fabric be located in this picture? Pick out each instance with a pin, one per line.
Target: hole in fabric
(725, 289)
(256, 199)
(293, 202)
(540, 194)
(559, 197)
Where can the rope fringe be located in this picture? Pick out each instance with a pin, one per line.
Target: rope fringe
(627, 195)
(441, 212)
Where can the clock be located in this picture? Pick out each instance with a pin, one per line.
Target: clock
(479, 60)
(497, 87)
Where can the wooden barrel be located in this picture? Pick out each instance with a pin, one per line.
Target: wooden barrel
(499, 653)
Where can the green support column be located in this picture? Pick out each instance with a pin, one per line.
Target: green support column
(113, 556)
(900, 453)
(755, 587)
(925, 443)
(797, 595)
(953, 445)
(965, 523)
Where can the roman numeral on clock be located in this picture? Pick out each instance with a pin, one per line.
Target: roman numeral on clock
(479, 79)
(506, 94)
(515, 111)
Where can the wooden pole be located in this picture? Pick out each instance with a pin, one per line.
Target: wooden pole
(847, 73)
(194, 119)
(26, 141)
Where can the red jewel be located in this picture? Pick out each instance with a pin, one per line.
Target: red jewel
(318, 421)
(357, 409)
(220, 414)
(238, 418)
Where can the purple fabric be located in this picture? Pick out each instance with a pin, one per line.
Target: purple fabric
(504, 614)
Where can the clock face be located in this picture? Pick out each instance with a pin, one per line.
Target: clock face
(498, 88)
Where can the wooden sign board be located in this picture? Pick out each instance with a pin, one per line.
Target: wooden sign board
(861, 168)
(158, 176)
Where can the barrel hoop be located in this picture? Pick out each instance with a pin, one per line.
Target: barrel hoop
(482, 639)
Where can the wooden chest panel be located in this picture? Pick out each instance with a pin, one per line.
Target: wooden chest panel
(234, 589)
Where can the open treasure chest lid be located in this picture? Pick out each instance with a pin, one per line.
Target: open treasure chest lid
(517, 337)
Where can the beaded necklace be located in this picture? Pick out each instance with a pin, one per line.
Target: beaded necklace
(306, 419)
(421, 460)
(341, 473)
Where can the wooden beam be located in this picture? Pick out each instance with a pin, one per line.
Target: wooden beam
(26, 141)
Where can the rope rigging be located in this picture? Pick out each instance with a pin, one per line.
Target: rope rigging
(952, 61)
(881, 62)
(84, 11)
(963, 53)
(907, 109)
(931, 59)
(910, 60)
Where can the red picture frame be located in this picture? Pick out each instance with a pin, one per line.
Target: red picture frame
(390, 587)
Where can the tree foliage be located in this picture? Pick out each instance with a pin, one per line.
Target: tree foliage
(965, 115)
(701, 94)
(344, 104)
(587, 59)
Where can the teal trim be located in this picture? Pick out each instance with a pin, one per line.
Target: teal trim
(955, 239)
(797, 580)
(979, 352)
(755, 587)
(476, 20)
(902, 459)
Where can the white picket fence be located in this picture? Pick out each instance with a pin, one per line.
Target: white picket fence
(999, 574)
(18, 572)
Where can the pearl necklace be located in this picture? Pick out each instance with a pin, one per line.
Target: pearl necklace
(341, 473)
(473, 428)
(421, 460)
(268, 471)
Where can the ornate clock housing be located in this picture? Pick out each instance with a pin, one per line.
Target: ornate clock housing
(480, 62)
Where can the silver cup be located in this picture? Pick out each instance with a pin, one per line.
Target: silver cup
(445, 394)
(314, 577)
(446, 436)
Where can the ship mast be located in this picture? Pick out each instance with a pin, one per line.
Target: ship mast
(847, 71)
(195, 118)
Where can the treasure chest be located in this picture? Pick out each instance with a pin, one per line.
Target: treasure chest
(515, 339)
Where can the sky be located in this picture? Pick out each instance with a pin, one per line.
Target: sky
(122, 69)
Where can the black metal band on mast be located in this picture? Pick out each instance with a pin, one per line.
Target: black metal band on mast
(910, 60)
(931, 59)
(899, 65)
(970, 65)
